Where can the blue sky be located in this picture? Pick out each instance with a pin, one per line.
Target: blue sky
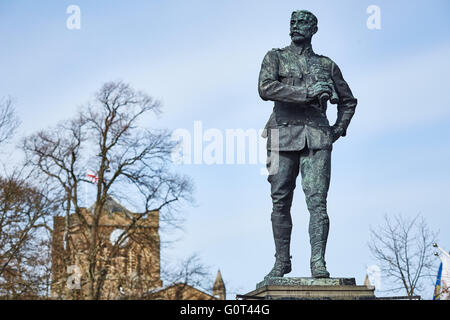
(202, 58)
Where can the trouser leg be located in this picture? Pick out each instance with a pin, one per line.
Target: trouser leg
(315, 169)
(282, 183)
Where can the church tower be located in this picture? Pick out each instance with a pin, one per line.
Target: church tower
(219, 287)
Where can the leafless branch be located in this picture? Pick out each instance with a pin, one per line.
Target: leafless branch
(403, 247)
(131, 162)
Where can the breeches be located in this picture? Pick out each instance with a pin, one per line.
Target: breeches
(315, 169)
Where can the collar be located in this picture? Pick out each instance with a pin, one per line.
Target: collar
(306, 50)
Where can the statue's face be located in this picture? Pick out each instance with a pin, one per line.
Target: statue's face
(302, 27)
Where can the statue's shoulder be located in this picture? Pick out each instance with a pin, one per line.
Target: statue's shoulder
(280, 49)
(274, 54)
(274, 51)
(324, 60)
(283, 50)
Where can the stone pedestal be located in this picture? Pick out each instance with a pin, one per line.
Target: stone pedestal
(310, 289)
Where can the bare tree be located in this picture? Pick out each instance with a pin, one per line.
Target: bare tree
(131, 163)
(188, 272)
(187, 279)
(23, 213)
(402, 246)
(8, 119)
(24, 209)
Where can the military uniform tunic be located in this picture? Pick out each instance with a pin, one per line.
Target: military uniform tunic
(286, 74)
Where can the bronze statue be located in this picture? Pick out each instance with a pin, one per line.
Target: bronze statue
(300, 138)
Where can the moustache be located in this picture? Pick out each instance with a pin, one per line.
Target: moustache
(297, 33)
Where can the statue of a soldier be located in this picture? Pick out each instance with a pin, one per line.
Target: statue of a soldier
(300, 138)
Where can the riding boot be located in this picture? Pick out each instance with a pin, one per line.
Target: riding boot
(282, 238)
(318, 234)
(318, 265)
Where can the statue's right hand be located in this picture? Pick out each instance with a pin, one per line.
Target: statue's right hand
(318, 89)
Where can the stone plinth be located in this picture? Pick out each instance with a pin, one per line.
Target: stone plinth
(310, 289)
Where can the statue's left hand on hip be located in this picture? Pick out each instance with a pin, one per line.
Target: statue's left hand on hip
(336, 133)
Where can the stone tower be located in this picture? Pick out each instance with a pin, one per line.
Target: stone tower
(219, 290)
(367, 281)
(133, 266)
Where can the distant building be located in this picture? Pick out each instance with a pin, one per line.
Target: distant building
(182, 291)
(134, 271)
